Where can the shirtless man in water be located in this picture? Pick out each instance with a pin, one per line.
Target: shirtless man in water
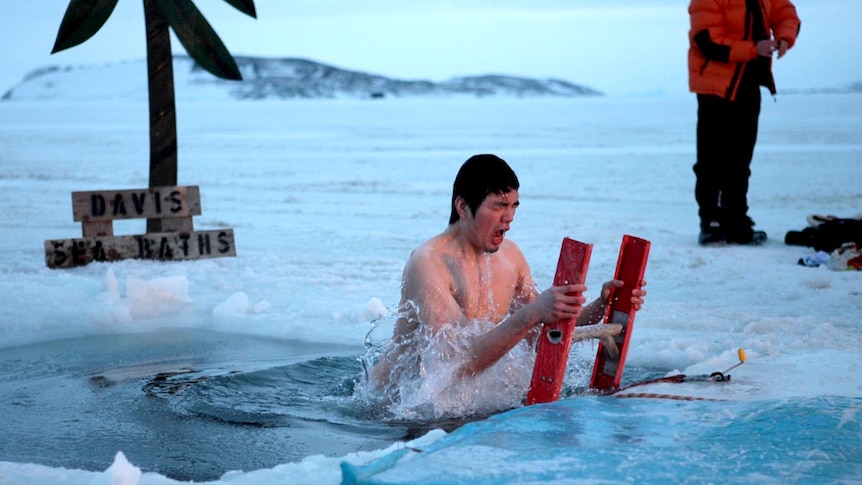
(472, 272)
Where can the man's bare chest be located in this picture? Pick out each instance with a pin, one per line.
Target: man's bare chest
(486, 292)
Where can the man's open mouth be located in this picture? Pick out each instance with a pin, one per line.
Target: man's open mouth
(499, 235)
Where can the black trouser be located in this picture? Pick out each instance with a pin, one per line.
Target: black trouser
(726, 134)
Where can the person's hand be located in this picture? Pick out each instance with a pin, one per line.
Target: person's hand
(782, 48)
(638, 294)
(559, 302)
(765, 48)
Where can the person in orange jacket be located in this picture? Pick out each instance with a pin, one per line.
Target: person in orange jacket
(731, 44)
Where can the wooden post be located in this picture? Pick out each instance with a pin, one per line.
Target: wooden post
(163, 113)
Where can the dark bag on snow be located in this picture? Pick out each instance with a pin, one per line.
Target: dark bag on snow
(827, 236)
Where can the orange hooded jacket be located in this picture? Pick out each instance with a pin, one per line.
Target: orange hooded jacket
(721, 42)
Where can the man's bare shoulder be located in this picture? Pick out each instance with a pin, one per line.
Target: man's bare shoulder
(428, 256)
(512, 252)
(433, 247)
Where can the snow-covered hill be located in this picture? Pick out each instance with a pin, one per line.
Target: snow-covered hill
(269, 78)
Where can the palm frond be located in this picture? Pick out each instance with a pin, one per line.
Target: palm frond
(244, 6)
(199, 39)
(82, 20)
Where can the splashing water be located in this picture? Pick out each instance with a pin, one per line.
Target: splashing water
(485, 278)
(424, 382)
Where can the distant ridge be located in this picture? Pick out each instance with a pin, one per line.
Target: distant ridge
(271, 78)
(852, 88)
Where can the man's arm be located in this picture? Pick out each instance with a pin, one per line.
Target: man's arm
(784, 23)
(555, 303)
(427, 285)
(426, 296)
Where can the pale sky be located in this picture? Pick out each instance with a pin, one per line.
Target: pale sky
(619, 47)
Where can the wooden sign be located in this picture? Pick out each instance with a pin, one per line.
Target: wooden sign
(174, 206)
(96, 210)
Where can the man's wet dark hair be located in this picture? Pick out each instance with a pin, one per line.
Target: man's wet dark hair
(479, 176)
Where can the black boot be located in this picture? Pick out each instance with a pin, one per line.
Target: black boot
(742, 232)
(750, 238)
(711, 234)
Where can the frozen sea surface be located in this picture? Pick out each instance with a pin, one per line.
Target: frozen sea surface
(241, 370)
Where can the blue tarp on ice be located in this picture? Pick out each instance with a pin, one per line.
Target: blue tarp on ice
(606, 440)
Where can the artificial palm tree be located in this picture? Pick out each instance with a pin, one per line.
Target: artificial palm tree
(84, 18)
